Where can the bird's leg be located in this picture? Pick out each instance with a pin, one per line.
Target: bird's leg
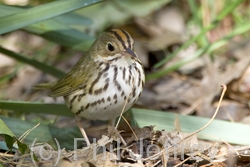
(112, 122)
(82, 131)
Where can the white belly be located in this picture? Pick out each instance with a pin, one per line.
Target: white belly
(114, 89)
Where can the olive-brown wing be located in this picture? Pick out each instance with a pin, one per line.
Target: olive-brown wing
(76, 78)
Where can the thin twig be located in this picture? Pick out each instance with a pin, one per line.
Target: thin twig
(182, 161)
(26, 133)
(119, 119)
(130, 127)
(82, 131)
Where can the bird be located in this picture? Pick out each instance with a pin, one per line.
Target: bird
(107, 80)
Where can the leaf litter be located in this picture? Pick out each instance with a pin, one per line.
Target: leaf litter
(193, 89)
(154, 148)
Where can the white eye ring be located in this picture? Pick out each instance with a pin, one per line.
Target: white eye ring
(110, 47)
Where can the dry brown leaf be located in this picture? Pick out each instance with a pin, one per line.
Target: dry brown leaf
(171, 139)
(113, 133)
(142, 133)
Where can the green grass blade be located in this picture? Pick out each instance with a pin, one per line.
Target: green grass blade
(73, 19)
(41, 13)
(4, 129)
(41, 66)
(218, 130)
(196, 14)
(43, 133)
(36, 107)
(8, 135)
(66, 36)
(68, 18)
(58, 29)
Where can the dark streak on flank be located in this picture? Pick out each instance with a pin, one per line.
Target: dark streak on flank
(139, 81)
(135, 100)
(114, 79)
(103, 100)
(134, 91)
(123, 93)
(97, 102)
(105, 75)
(80, 97)
(115, 73)
(94, 82)
(106, 86)
(99, 91)
(83, 87)
(93, 104)
(128, 39)
(130, 74)
(129, 79)
(106, 68)
(73, 99)
(101, 63)
(123, 73)
(87, 106)
(138, 72)
(79, 111)
(98, 77)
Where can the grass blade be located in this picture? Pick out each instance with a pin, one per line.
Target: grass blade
(58, 29)
(36, 107)
(41, 13)
(41, 66)
(5, 130)
(218, 130)
(43, 133)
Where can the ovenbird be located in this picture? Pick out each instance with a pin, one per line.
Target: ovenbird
(107, 78)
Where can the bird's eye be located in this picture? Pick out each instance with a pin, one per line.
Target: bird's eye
(110, 47)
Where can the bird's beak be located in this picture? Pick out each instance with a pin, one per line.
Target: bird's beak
(129, 51)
